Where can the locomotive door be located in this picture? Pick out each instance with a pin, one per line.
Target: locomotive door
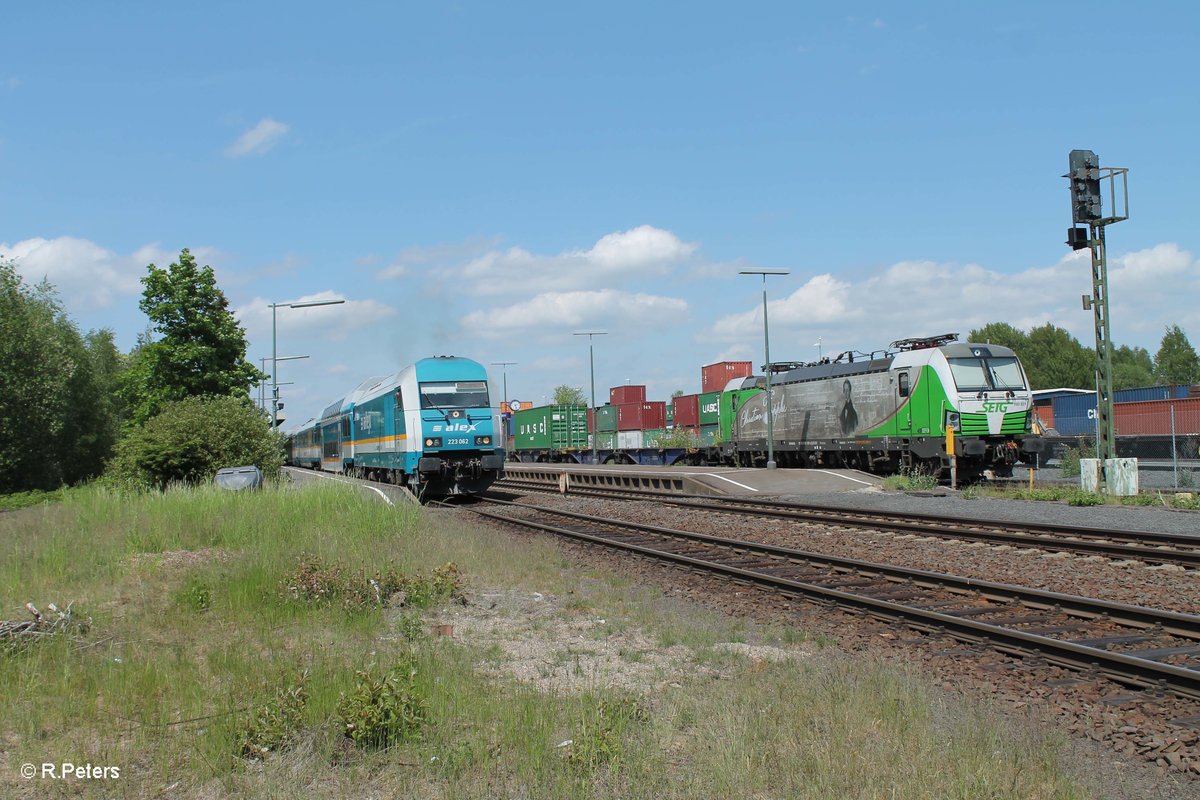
(904, 421)
(398, 421)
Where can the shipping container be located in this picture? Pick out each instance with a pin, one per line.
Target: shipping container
(710, 413)
(650, 438)
(1144, 393)
(606, 418)
(551, 428)
(687, 411)
(619, 395)
(708, 435)
(591, 420)
(1045, 415)
(640, 416)
(714, 377)
(1153, 417)
(629, 440)
(606, 440)
(1075, 415)
(729, 403)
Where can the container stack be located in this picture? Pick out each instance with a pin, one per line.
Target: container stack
(714, 377)
(560, 428)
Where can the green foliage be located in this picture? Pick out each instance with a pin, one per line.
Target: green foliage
(678, 437)
(316, 583)
(1000, 333)
(600, 736)
(189, 440)
(1176, 361)
(1068, 464)
(1082, 498)
(274, 725)
(195, 595)
(911, 479)
(1132, 367)
(202, 350)
(565, 395)
(57, 422)
(386, 710)
(1054, 358)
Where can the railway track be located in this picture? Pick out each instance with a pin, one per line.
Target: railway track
(1136, 646)
(1149, 547)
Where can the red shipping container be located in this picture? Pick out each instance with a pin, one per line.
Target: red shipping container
(618, 395)
(641, 416)
(1153, 417)
(714, 376)
(1045, 415)
(591, 420)
(687, 411)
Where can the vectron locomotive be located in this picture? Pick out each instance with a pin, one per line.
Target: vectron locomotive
(428, 427)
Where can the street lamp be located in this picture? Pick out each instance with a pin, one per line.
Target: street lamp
(767, 367)
(818, 346)
(592, 362)
(275, 348)
(504, 365)
(262, 385)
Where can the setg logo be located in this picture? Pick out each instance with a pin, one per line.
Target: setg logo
(993, 406)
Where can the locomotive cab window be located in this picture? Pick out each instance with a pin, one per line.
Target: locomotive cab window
(986, 374)
(454, 394)
(903, 384)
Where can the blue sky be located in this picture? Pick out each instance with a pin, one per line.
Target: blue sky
(483, 179)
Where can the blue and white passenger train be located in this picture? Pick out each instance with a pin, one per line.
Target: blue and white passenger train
(428, 427)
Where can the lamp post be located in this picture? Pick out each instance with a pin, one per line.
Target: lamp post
(504, 365)
(818, 347)
(767, 367)
(592, 363)
(262, 387)
(275, 348)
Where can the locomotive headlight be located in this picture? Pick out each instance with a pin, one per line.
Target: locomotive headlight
(954, 420)
(433, 441)
(483, 440)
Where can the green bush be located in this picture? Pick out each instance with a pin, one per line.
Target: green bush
(1068, 465)
(189, 440)
(274, 725)
(384, 711)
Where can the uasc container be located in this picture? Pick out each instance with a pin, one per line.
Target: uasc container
(551, 428)
(713, 377)
(619, 395)
(710, 408)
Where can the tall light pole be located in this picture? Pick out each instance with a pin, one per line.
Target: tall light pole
(504, 365)
(275, 348)
(767, 367)
(262, 389)
(592, 362)
(818, 345)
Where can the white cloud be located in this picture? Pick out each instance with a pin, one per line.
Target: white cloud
(557, 312)
(334, 322)
(10, 83)
(87, 275)
(1150, 289)
(641, 252)
(258, 140)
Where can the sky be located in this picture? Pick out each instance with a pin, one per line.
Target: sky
(485, 179)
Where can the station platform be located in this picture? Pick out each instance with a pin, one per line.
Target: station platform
(697, 480)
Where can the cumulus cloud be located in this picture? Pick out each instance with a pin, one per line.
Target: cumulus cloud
(87, 275)
(561, 311)
(440, 256)
(1150, 289)
(258, 140)
(641, 252)
(333, 322)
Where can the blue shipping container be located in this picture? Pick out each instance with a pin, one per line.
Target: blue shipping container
(1144, 393)
(1075, 415)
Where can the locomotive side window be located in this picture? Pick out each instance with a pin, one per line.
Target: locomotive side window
(903, 383)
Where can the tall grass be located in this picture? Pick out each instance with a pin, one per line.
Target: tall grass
(194, 635)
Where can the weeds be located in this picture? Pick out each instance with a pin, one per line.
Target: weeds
(911, 479)
(384, 711)
(195, 595)
(599, 740)
(274, 725)
(1068, 464)
(315, 583)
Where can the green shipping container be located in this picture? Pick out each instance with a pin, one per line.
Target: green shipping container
(606, 440)
(709, 408)
(551, 428)
(650, 438)
(708, 435)
(730, 403)
(606, 418)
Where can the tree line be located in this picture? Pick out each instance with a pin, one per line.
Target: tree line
(1054, 359)
(73, 406)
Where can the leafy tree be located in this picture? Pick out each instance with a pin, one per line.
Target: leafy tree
(190, 439)
(1054, 358)
(677, 393)
(202, 350)
(565, 395)
(1132, 367)
(1001, 333)
(1176, 361)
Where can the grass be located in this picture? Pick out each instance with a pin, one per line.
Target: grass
(202, 675)
(911, 479)
(1073, 495)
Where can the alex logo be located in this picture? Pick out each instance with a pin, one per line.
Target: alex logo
(994, 407)
(454, 427)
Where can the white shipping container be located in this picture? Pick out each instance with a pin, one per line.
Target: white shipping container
(629, 440)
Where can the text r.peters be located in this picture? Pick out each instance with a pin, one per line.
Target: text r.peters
(80, 771)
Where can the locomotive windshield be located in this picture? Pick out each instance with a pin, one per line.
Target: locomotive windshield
(454, 394)
(986, 374)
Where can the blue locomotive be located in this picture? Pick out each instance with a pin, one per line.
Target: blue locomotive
(428, 427)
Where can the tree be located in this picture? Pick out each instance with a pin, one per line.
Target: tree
(1000, 333)
(190, 439)
(1132, 367)
(1176, 361)
(1053, 359)
(202, 350)
(565, 395)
